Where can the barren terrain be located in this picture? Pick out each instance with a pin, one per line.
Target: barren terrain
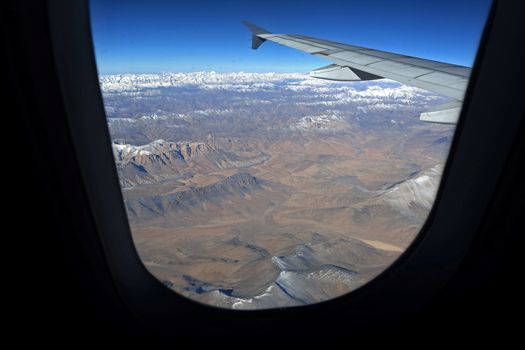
(247, 204)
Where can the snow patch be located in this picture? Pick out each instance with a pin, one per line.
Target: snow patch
(420, 191)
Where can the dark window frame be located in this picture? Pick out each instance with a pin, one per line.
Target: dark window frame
(469, 180)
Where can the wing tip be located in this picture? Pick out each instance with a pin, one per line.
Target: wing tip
(256, 31)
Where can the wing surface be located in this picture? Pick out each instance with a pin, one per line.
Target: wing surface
(353, 63)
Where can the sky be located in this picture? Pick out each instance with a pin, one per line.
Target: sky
(155, 36)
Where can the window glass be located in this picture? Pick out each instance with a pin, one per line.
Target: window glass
(249, 183)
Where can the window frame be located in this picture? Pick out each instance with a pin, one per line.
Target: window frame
(469, 180)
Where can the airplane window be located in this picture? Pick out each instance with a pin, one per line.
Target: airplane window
(286, 160)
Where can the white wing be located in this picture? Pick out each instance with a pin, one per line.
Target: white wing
(352, 63)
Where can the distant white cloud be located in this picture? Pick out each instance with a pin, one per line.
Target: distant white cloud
(240, 81)
(370, 96)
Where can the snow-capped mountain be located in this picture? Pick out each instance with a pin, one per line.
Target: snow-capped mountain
(415, 193)
(160, 160)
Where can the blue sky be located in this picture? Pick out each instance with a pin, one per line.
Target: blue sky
(193, 35)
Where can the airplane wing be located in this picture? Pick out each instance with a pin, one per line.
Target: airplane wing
(353, 63)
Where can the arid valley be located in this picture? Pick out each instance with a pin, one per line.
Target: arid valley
(249, 190)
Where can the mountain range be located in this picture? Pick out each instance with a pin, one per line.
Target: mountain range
(259, 190)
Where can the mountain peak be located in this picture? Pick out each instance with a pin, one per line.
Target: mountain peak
(182, 150)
